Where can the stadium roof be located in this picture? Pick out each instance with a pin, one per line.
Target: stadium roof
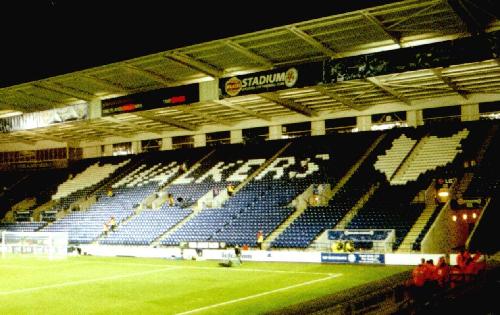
(386, 27)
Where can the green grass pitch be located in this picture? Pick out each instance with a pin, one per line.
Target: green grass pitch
(125, 285)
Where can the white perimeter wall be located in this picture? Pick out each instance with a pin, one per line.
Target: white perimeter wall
(249, 255)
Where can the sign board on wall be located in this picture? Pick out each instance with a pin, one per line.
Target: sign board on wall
(166, 97)
(272, 80)
(257, 255)
(443, 54)
(353, 258)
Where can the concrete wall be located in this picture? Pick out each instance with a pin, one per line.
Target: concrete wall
(445, 234)
(91, 152)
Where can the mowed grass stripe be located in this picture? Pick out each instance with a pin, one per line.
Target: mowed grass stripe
(259, 295)
(31, 267)
(191, 286)
(86, 281)
(158, 293)
(37, 272)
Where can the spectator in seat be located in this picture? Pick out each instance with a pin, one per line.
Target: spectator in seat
(111, 224)
(416, 285)
(230, 189)
(473, 266)
(442, 272)
(469, 270)
(456, 275)
(479, 262)
(337, 247)
(349, 246)
(183, 168)
(260, 239)
(462, 258)
(303, 166)
(171, 200)
(105, 228)
(418, 274)
(431, 273)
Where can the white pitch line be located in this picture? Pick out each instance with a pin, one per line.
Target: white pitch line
(231, 269)
(72, 283)
(259, 294)
(264, 270)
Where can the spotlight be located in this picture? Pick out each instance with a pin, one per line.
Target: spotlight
(443, 193)
(454, 217)
(464, 216)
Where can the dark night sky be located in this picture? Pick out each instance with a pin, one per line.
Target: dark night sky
(43, 38)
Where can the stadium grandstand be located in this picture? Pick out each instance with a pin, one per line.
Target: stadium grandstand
(319, 161)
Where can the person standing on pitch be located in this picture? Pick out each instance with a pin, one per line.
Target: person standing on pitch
(237, 252)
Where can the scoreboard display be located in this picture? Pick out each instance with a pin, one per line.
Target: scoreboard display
(166, 97)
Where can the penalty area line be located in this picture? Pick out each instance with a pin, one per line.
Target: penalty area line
(204, 308)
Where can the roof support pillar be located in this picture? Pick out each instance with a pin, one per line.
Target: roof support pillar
(236, 136)
(166, 144)
(108, 150)
(414, 118)
(317, 127)
(209, 90)
(364, 123)
(95, 108)
(275, 132)
(136, 147)
(200, 140)
(469, 112)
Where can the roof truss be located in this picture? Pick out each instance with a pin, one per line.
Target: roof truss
(376, 82)
(243, 109)
(205, 116)
(290, 104)
(173, 122)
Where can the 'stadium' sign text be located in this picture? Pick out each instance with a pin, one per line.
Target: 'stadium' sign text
(272, 80)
